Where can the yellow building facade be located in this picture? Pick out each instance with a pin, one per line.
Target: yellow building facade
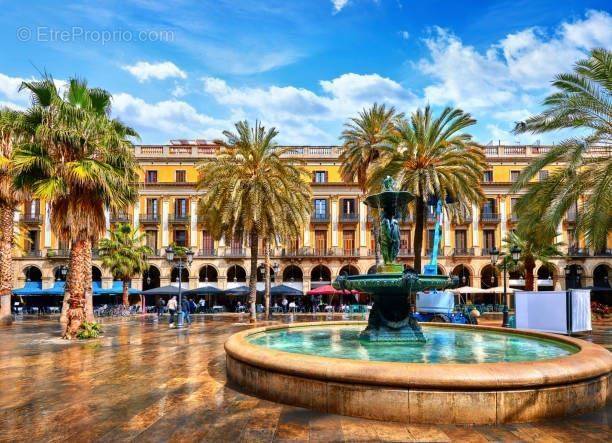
(338, 238)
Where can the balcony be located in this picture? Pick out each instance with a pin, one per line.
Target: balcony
(463, 252)
(208, 252)
(574, 251)
(428, 252)
(462, 219)
(179, 219)
(487, 251)
(33, 219)
(514, 218)
(120, 218)
(150, 218)
(405, 252)
(431, 217)
(32, 253)
(319, 218)
(570, 217)
(603, 253)
(490, 217)
(235, 252)
(406, 218)
(58, 253)
(349, 218)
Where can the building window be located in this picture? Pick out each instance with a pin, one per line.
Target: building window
(487, 177)
(320, 242)
(405, 240)
(152, 208)
(542, 175)
(208, 244)
(180, 237)
(151, 238)
(320, 208)
(320, 176)
(514, 175)
(180, 208)
(348, 240)
(430, 239)
(151, 177)
(32, 243)
(181, 176)
(571, 239)
(513, 215)
(488, 239)
(461, 239)
(348, 206)
(489, 207)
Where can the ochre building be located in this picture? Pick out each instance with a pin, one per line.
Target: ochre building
(338, 238)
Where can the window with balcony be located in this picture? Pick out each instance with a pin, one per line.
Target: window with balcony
(151, 239)
(320, 177)
(320, 242)
(489, 210)
(32, 244)
(152, 208)
(181, 176)
(151, 176)
(487, 177)
(348, 241)
(320, 209)
(542, 175)
(405, 242)
(514, 175)
(461, 240)
(488, 240)
(180, 237)
(349, 209)
(208, 243)
(180, 208)
(31, 211)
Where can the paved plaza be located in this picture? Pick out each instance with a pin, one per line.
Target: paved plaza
(145, 382)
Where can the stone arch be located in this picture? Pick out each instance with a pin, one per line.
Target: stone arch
(96, 273)
(174, 274)
(574, 276)
(57, 273)
(320, 274)
(236, 273)
(372, 269)
(261, 273)
(208, 273)
(489, 277)
(441, 270)
(32, 273)
(151, 278)
(293, 273)
(349, 270)
(601, 275)
(464, 273)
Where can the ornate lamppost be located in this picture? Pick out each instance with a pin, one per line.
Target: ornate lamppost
(189, 259)
(515, 253)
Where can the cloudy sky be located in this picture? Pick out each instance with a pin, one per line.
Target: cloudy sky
(189, 69)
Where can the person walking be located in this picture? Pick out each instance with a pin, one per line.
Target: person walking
(172, 306)
(202, 304)
(285, 303)
(185, 309)
(159, 306)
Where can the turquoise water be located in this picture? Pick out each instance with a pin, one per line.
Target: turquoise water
(444, 345)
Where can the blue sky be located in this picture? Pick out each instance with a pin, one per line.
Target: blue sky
(189, 69)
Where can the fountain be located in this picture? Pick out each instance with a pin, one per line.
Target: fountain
(391, 317)
(393, 368)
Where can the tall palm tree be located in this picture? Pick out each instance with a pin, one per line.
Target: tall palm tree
(81, 162)
(252, 190)
(361, 141)
(432, 158)
(534, 247)
(583, 101)
(124, 254)
(13, 130)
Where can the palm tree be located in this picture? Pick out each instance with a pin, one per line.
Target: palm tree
(81, 162)
(433, 159)
(124, 255)
(583, 101)
(534, 247)
(361, 141)
(13, 131)
(252, 190)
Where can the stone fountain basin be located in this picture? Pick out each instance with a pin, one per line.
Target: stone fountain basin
(483, 393)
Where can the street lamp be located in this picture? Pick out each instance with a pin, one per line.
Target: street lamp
(189, 259)
(515, 254)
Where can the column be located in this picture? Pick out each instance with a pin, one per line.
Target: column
(164, 224)
(503, 218)
(334, 221)
(306, 236)
(106, 223)
(306, 283)
(475, 215)
(193, 235)
(363, 223)
(107, 282)
(136, 214)
(137, 283)
(447, 230)
(47, 239)
(221, 247)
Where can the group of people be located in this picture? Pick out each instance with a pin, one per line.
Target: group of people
(188, 306)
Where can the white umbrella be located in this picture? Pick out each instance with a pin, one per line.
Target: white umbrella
(469, 290)
(500, 290)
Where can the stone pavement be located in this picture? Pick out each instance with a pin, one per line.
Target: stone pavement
(145, 382)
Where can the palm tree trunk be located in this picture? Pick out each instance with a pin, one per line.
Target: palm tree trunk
(126, 300)
(418, 233)
(73, 311)
(88, 284)
(267, 277)
(6, 264)
(253, 276)
(529, 277)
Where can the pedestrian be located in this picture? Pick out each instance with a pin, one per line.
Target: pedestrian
(185, 309)
(285, 303)
(172, 305)
(192, 306)
(202, 304)
(159, 306)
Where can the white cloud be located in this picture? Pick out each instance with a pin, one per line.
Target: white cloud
(339, 4)
(9, 89)
(405, 35)
(144, 71)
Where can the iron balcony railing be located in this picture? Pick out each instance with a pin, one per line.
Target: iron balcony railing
(207, 252)
(178, 218)
(489, 217)
(463, 252)
(235, 252)
(31, 218)
(603, 253)
(317, 217)
(33, 253)
(487, 251)
(150, 218)
(58, 253)
(120, 218)
(351, 218)
(406, 252)
(574, 251)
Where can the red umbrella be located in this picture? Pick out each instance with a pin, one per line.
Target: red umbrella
(329, 290)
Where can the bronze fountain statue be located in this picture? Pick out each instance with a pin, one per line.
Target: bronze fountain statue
(391, 317)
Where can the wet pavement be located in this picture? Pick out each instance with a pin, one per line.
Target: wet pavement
(145, 382)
